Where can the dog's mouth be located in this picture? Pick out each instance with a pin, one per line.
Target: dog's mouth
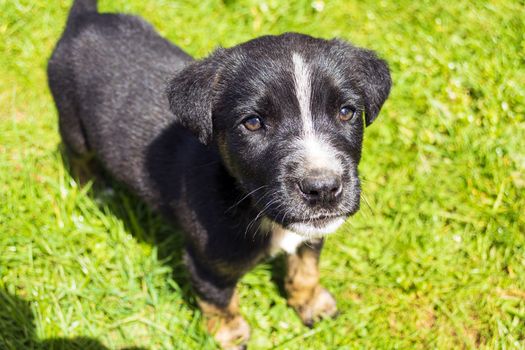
(320, 220)
(317, 226)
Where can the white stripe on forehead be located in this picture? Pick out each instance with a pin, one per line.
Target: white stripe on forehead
(318, 152)
(303, 91)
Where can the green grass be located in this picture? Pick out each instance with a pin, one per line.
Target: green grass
(435, 259)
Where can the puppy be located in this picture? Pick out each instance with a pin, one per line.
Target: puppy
(252, 151)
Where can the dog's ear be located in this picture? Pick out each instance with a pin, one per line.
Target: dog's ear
(371, 75)
(191, 94)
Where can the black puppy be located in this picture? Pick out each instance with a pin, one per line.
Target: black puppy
(258, 152)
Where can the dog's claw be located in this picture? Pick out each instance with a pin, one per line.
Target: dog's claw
(321, 305)
(233, 334)
(309, 323)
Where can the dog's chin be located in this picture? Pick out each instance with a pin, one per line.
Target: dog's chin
(316, 228)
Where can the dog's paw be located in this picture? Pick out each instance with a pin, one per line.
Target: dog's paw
(321, 305)
(231, 333)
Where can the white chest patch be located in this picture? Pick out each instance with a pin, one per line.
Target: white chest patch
(284, 240)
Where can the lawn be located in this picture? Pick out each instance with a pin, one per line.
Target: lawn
(434, 259)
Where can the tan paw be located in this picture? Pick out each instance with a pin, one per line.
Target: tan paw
(231, 333)
(321, 305)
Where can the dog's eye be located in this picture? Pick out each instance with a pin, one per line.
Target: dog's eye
(346, 113)
(252, 123)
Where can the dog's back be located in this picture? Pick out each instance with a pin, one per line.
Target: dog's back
(107, 75)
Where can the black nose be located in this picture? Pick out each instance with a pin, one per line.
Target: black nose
(321, 188)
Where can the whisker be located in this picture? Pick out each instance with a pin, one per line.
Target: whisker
(365, 200)
(261, 212)
(244, 197)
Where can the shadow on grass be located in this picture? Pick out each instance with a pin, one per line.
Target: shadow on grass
(17, 330)
(138, 218)
(278, 270)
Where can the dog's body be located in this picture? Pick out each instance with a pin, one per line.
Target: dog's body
(258, 153)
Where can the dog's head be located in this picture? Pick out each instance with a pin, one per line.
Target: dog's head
(286, 113)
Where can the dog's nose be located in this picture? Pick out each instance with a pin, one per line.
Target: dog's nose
(321, 188)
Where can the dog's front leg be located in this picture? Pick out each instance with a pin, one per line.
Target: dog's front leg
(226, 324)
(219, 304)
(311, 301)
